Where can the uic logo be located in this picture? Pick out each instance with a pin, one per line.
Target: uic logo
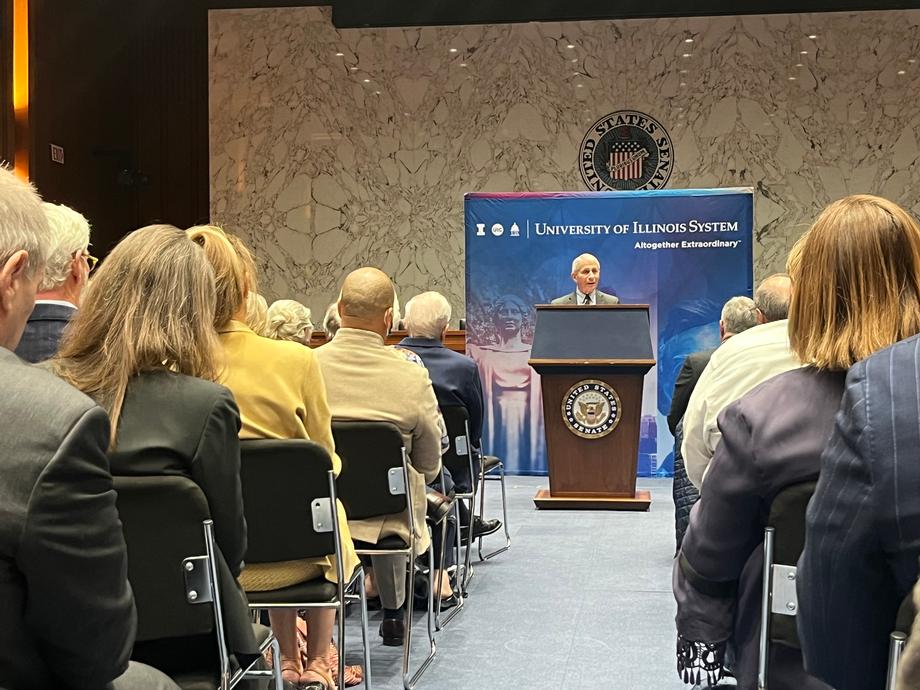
(498, 230)
(626, 150)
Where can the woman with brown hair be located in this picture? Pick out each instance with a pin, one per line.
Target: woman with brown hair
(855, 290)
(143, 346)
(281, 394)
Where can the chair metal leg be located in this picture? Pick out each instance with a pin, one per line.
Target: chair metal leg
(459, 593)
(365, 637)
(468, 554)
(502, 549)
(409, 683)
(341, 612)
(765, 609)
(276, 665)
(895, 649)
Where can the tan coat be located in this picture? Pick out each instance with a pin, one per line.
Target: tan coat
(366, 380)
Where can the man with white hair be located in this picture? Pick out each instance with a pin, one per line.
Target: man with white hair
(67, 616)
(66, 272)
(586, 273)
(455, 378)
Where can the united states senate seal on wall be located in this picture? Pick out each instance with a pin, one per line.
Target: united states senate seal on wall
(626, 150)
(591, 409)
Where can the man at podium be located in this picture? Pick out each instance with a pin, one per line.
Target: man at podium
(586, 272)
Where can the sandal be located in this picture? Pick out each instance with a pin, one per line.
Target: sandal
(354, 675)
(317, 677)
(290, 671)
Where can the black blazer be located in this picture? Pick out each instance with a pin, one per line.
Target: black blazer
(43, 333)
(862, 537)
(179, 425)
(67, 616)
(689, 374)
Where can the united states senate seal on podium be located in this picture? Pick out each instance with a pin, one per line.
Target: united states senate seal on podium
(591, 409)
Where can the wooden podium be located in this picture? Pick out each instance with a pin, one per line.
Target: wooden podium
(592, 361)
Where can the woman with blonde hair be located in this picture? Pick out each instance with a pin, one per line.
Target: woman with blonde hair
(855, 290)
(143, 346)
(288, 319)
(281, 395)
(257, 313)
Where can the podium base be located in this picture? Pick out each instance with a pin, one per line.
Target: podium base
(544, 501)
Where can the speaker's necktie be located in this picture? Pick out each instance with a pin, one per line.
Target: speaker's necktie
(587, 300)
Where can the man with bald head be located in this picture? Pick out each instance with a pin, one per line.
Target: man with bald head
(366, 380)
(586, 273)
(737, 366)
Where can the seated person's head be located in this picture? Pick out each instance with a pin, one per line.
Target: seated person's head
(772, 298)
(288, 319)
(257, 313)
(738, 314)
(67, 268)
(149, 307)
(331, 321)
(428, 315)
(234, 271)
(855, 282)
(25, 244)
(367, 301)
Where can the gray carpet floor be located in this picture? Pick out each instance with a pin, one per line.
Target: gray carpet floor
(582, 600)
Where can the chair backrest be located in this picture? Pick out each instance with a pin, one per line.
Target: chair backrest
(285, 482)
(787, 518)
(369, 451)
(458, 456)
(162, 521)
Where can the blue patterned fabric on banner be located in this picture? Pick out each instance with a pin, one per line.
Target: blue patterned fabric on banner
(683, 252)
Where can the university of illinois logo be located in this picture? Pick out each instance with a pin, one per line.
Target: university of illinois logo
(626, 150)
(591, 409)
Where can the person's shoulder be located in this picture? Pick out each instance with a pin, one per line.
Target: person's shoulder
(699, 359)
(607, 298)
(38, 386)
(565, 299)
(775, 333)
(183, 388)
(902, 351)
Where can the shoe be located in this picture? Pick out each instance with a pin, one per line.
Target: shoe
(481, 528)
(393, 632)
(449, 602)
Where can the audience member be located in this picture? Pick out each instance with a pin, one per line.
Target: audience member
(454, 377)
(331, 321)
(863, 528)
(289, 320)
(366, 380)
(280, 392)
(738, 315)
(257, 313)
(734, 368)
(67, 615)
(66, 272)
(150, 359)
(855, 289)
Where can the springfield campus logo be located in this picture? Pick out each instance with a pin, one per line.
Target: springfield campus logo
(626, 150)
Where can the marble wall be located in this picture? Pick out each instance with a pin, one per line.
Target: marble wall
(332, 149)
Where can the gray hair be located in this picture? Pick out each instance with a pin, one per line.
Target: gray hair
(331, 320)
(23, 225)
(69, 235)
(582, 259)
(427, 315)
(772, 297)
(288, 319)
(739, 314)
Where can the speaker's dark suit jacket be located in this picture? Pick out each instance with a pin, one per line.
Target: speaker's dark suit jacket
(67, 616)
(683, 387)
(863, 530)
(44, 331)
(572, 298)
(179, 425)
(455, 379)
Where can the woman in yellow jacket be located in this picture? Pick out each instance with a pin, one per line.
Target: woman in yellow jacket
(281, 395)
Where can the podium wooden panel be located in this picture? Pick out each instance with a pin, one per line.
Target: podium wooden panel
(596, 473)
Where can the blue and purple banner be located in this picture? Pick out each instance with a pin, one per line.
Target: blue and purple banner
(684, 252)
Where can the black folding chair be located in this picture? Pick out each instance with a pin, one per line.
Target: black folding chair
(784, 539)
(458, 458)
(289, 494)
(173, 567)
(375, 482)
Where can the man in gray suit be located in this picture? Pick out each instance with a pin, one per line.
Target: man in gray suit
(586, 272)
(67, 615)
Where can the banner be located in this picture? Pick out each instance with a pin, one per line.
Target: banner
(683, 252)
